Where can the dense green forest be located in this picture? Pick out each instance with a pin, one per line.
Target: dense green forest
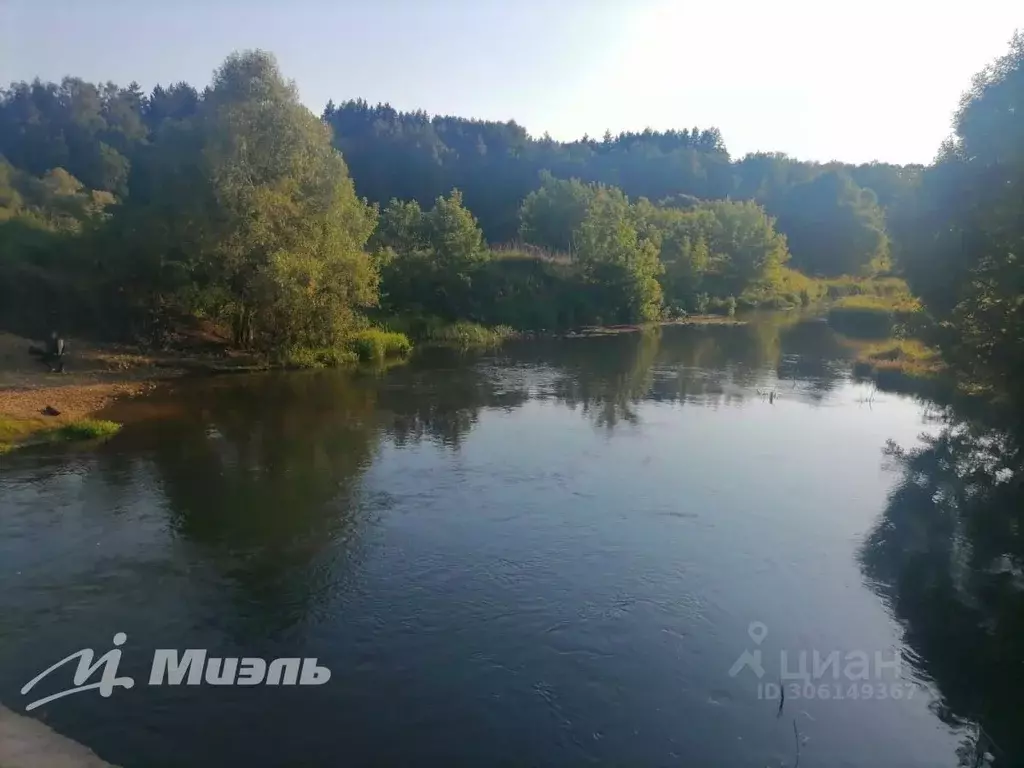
(128, 213)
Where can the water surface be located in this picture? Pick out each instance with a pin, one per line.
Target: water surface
(552, 554)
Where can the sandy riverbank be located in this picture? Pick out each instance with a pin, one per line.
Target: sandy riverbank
(29, 393)
(96, 375)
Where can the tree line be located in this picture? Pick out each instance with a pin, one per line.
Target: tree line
(120, 210)
(126, 210)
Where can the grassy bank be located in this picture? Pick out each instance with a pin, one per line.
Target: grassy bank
(872, 317)
(18, 432)
(370, 345)
(789, 289)
(908, 356)
(462, 334)
(903, 365)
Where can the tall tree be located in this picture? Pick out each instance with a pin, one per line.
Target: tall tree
(621, 267)
(550, 216)
(964, 254)
(271, 229)
(834, 227)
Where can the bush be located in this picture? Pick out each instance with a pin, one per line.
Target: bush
(467, 334)
(433, 330)
(375, 344)
(326, 357)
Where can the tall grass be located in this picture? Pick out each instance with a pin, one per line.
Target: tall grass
(789, 288)
(367, 345)
(907, 355)
(904, 365)
(466, 334)
(786, 289)
(462, 333)
(325, 357)
(376, 345)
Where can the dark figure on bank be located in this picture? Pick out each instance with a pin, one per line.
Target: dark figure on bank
(55, 350)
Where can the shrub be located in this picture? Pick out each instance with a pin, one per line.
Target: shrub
(375, 344)
(467, 334)
(309, 357)
(463, 333)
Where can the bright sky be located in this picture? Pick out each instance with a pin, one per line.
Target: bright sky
(818, 79)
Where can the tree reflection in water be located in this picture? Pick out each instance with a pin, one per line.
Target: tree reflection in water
(947, 556)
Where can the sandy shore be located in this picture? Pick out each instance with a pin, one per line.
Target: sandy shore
(96, 376)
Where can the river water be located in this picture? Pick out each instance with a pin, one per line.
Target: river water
(556, 553)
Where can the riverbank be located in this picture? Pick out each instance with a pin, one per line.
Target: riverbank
(39, 406)
(907, 366)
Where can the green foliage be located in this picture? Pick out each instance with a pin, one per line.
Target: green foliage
(963, 242)
(619, 266)
(88, 429)
(462, 334)
(45, 256)
(720, 248)
(291, 255)
(375, 345)
(246, 213)
(466, 334)
(744, 245)
(325, 357)
(413, 156)
(551, 215)
(122, 210)
(370, 345)
(834, 227)
(531, 291)
(16, 432)
(428, 258)
(909, 356)
(90, 130)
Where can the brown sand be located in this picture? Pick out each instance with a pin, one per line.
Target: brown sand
(96, 376)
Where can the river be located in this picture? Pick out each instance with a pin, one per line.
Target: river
(606, 550)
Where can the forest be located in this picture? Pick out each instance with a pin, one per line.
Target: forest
(127, 214)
